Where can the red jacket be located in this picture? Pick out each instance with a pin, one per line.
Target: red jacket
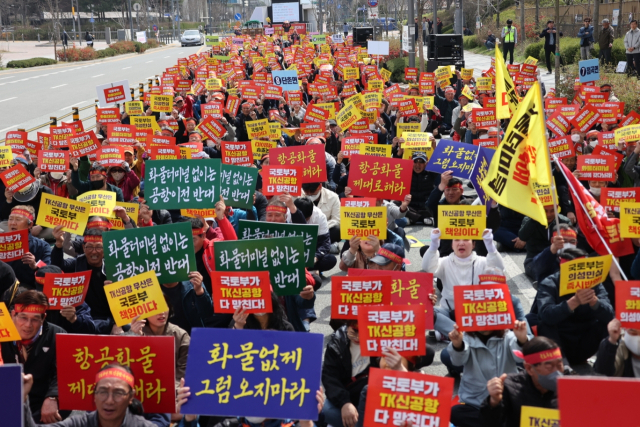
(228, 233)
(128, 184)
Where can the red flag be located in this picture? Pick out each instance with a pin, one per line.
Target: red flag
(609, 228)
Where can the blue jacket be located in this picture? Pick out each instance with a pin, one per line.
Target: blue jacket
(84, 324)
(298, 308)
(545, 264)
(25, 275)
(585, 39)
(198, 309)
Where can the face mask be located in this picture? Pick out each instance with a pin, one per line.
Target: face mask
(313, 197)
(255, 420)
(595, 191)
(593, 143)
(484, 136)
(632, 342)
(353, 336)
(56, 176)
(575, 137)
(117, 176)
(97, 185)
(550, 381)
(568, 246)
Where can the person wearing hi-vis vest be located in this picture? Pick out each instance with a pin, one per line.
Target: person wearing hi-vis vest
(509, 40)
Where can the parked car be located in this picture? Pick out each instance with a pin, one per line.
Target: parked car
(387, 23)
(193, 37)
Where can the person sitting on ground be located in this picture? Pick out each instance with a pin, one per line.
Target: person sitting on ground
(619, 357)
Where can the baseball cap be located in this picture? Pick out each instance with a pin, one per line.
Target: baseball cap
(128, 150)
(390, 253)
(178, 98)
(419, 155)
(21, 159)
(332, 122)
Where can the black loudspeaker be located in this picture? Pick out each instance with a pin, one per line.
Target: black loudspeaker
(433, 64)
(445, 46)
(361, 34)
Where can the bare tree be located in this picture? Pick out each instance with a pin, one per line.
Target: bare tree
(53, 7)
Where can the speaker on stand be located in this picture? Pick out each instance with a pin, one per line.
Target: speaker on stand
(361, 35)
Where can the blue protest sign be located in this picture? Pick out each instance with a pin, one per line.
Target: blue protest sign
(479, 172)
(454, 156)
(253, 373)
(238, 16)
(287, 80)
(11, 395)
(589, 70)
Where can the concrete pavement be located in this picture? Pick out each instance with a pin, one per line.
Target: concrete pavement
(19, 50)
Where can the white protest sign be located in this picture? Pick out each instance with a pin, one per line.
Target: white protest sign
(337, 38)
(141, 36)
(113, 92)
(377, 48)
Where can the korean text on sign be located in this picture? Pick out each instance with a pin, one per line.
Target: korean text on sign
(348, 293)
(248, 291)
(278, 180)
(628, 303)
(13, 245)
(380, 177)
(363, 222)
(151, 359)
(138, 296)
(396, 397)
(268, 374)
(462, 222)
(54, 211)
(400, 327)
(483, 307)
(583, 273)
(65, 289)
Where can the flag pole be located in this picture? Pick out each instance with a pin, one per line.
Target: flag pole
(591, 220)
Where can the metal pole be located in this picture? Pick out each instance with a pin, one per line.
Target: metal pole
(173, 17)
(412, 35)
(557, 39)
(435, 17)
(130, 19)
(179, 16)
(521, 35)
(79, 29)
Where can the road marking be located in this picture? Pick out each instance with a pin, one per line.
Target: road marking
(8, 77)
(165, 57)
(58, 86)
(8, 99)
(99, 75)
(148, 62)
(126, 68)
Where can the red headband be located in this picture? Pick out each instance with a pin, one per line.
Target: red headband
(457, 185)
(390, 255)
(492, 278)
(279, 209)
(30, 308)
(96, 239)
(542, 356)
(115, 373)
(566, 233)
(97, 224)
(97, 172)
(40, 280)
(197, 231)
(22, 212)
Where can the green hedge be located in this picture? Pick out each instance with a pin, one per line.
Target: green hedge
(570, 50)
(104, 53)
(471, 42)
(397, 66)
(33, 62)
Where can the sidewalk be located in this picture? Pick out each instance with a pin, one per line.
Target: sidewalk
(19, 50)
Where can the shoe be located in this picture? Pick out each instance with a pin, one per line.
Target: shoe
(335, 248)
(549, 73)
(428, 222)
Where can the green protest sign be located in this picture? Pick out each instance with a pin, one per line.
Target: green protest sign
(237, 184)
(222, 58)
(211, 40)
(166, 249)
(319, 39)
(182, 184)
(263, 230)
(283, 257)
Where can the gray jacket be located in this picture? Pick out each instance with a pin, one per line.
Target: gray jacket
(632, 39)
(482, 362)
(90, 419)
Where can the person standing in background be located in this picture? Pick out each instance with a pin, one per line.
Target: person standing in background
(605, 42)
(586, 39)
(509, 40)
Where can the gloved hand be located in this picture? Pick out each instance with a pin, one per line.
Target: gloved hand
(126, 168)
(435, 240)
(487, 237)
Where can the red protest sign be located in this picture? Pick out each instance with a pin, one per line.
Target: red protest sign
(152, 360)
(13, 245)
(251, 92)
(183, 85)
(59, 136)
(237, 153)
(410, 73)
(483, 308)
(599, 150)
(108, 115)
(272, 92)
(382, 178)
(250, 291)
(628, 303)
(16, 140)
(348, 293)
(400, 327)
(562, 147)
(313, 130)
(53, 161)
(233, 103)
(33, 147)
(65, 289)
(630, 119)
(115, 94)
(316, 114)
(597, 168)
(586, 118)
(351, 144)
(484, 117)
(212, 109)
(395, 397)
(294, 98)
(211, 128)
(277, 180)
(487, 142)
(558, 124)
(310, 157)
(358, 202)
(161, 141)
(164, 153)
(119, 134)
(607, 140)
(111, 156)
(610, 198)
(83, 144)
(408, 107)
(16, 178)
(609, 112)
(568, 111)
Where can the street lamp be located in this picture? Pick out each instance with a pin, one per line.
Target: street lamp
(93, 25)
(10, 13)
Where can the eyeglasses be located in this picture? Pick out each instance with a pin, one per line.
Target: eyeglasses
(118, 395)
(88, 248)
(25, 319)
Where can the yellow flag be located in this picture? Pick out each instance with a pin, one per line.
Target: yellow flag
(506, 97)
(521, 160)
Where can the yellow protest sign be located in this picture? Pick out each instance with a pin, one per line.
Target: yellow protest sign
(330, 107)
(214, 84)
(630, 219)
(484, 83)
(469, 107)
(102, 202)
(6, 156)
(533, 416)
(260, 148)
(467, 92)
(185, 152)
(583, 273)
(407, 127)
(132, 210)
(134, 108)
(386, 74)
(531, 61)
(544, 194)
(54, 211)
(628, 133)
(466, 73)
(8, 331)
(363, 222)
(137, 296)
(443, 73)
(161, 103)
(377, 85)
(416, 140)
(258, 128)
(347, 117)
(372, 100)
(427, 103)
(351, 73)
(382, 150)
(407, 154)
(462, 221)
(355, 100)
(204, 213)
(275, 131)
(145, 122)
